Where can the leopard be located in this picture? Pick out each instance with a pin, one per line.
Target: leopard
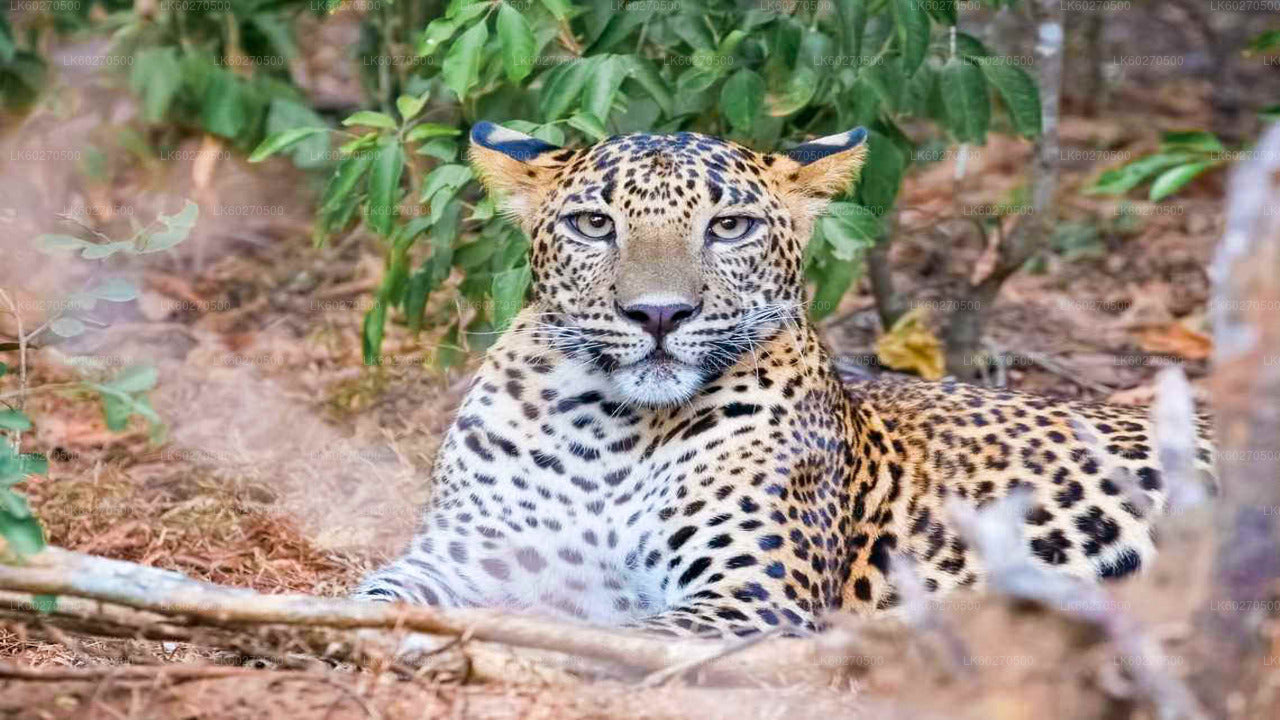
(662, 441)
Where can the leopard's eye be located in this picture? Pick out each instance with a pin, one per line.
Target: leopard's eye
(595, 226)
(733, 227)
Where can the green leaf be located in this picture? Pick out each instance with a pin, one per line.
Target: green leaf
(475, 254)
(341, 195)
(1129, 176)
(508, 293)
(606, 77)
(361, 144)
(559, 8)
(1019, 92)
(888, 82)
(464, 11)
(4, 369)
(913, 32)
(849, 229)
(729, 45)
(115, 412)
(15, 468)
(1192, 140)
(799, 91)
(7, 48)
(114, 290)
(312, 152)
(371, 332)
(54, 243)
(644, 73)
(176, 229)
(1264, 43)
(156, 76)
(67, 327)
(970, 46)
(438, 31)
(23, 533)
(695, 80)
(461, 66)
(482, 210)
(549, 133)
(224, 110)
(13, 506)
(614, 32)
(1171, 181)
(441, 185)
(276, 142)
(944, 11)
(384, 186)
(425, 131)
(881, 175)
(371, 119)
(408, 106)
(449, 352)
(518, 50)
(833, 281)
(14, 420)
(691, 29)
(97, 252)
(140, 405)
(80, 301)
(441, 148)
(133, 379)
(563, 88)
(742, 98)
(589, 125)
(964, 93)
(415, 298)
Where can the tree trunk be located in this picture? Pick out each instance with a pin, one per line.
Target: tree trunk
(1246, 298)
(964, 333)
(889, 303)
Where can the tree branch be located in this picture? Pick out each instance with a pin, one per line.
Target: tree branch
(165, 605)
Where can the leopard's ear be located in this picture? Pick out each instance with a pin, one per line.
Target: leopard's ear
(515, 168)
(823, 168)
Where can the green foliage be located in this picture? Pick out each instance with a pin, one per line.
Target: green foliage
(220, 68)
(1266, 42)
(581, 71)
(1182, 157)
(18, 526)
(23, 73)
(122, 396)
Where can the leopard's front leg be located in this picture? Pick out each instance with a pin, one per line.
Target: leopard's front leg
(416, 578)
(727, 618)
(726, 585)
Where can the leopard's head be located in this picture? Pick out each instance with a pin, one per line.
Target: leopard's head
(663, 259)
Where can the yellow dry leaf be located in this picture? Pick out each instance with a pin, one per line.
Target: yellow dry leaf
(1176, 339)
(911, 346)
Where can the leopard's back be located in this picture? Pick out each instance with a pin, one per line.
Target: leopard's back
(1092, 470)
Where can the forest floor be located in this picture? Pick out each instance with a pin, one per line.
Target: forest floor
(289, 466)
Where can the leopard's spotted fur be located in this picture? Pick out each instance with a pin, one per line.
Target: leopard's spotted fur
(721, 478)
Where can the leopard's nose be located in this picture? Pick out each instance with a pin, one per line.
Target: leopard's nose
(659, 320)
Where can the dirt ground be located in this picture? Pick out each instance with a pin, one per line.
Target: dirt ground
(289, 466)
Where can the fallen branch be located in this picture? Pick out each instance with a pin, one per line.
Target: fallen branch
(148, 673)
(166, 605)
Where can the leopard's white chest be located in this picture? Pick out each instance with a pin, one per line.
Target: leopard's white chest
(546, 502)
